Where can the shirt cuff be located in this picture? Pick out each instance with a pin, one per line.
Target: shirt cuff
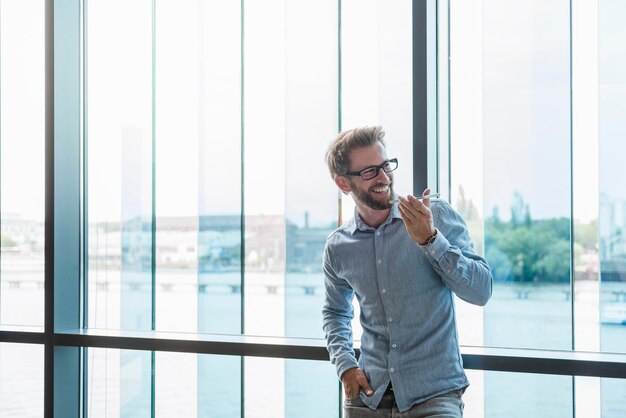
(438, 247)
(345, 362)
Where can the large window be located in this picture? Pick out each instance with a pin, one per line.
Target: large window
(21, 141)
(532, 154)
(192, 202)
(209, 202)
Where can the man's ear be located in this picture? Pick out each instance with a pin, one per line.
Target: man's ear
(343, 184)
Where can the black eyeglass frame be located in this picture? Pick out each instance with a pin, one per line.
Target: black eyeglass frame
(376, 167)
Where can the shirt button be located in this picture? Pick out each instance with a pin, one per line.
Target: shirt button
(393, 345)
(390, 319)
(378, 233)
(384, 290)
(379, 261)
(392, 370)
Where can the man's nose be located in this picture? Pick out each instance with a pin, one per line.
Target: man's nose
(382, 175)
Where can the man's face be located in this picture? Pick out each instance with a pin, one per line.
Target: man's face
(377, 192)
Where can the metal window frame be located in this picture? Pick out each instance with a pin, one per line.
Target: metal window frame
(516, 360)
(62, 336)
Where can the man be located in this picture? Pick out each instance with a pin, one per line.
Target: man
(403, 260)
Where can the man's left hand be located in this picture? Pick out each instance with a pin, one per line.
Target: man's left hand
(418, 219)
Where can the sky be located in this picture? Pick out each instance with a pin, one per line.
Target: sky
(510, 128)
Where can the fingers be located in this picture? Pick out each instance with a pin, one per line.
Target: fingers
(407, 216)
(414, 208)
(354, 382)
(366, 386)
(426, 201)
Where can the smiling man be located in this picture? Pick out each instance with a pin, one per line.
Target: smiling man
(403, 260)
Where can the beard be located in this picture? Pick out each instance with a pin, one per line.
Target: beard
(366, 198)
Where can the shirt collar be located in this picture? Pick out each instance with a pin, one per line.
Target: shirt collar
(356, 223)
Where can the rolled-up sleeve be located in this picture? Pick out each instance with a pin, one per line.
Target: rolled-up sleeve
(452, 255)
(337, 315)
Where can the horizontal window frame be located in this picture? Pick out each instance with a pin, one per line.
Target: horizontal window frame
(498, 359)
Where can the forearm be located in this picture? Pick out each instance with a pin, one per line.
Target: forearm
(338, 330)
(465, 273)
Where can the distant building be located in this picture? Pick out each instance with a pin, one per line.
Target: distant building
(612, 226)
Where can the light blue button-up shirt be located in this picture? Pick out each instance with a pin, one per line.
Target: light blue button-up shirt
(407, 307)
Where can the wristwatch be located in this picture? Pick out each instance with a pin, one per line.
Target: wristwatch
(430, 240)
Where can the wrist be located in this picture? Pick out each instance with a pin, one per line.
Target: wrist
(347, 373)
(430, 239)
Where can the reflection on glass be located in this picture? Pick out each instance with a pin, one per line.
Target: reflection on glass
(21, 380)
(177, 390)
(119, 144)
(310, 195)
(520, 395)
(612, 216)
(265, 118)
(613, 398)
(527, 211)
(198, 185)
(376, 80)
(510, 179)
(524, 184)
(22, 162)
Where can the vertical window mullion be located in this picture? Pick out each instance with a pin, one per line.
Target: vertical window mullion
(63, 219)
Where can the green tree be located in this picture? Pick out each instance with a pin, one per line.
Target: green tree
(527, 250)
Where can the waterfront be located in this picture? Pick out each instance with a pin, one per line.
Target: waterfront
(532, 316)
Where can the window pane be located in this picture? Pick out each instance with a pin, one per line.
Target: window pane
(119, 143)
(511, 111)
(612, 216)
(22, 162)
(21, 380)
(612, 127)
(517, 395)
(177, 386)
(198, 167)
(376, 80)
(311, 204)
(510, 172)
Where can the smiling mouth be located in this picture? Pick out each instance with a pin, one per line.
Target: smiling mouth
(380, 189)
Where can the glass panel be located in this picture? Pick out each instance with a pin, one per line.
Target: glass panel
(500, 394)
(525, 180)
(520, 395)
(585, 178)
(613, 398)
(264, 172)
(22, 162)
(119, 144)
(21, 380)
(198, 187)
(600, 397)
(612, 127)
(466, 153)
(176, 388)
(376, 79)
(612, 217)
(198, 167)
(510, 174)
(118, 385)
(119, 138)
(264, 188)
(182, 388)
(311, 207)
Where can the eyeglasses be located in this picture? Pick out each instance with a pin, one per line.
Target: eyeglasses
(371, 172)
